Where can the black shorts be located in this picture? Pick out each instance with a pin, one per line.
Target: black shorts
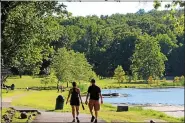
(75, 102)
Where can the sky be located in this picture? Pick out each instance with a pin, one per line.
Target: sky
(107, 8)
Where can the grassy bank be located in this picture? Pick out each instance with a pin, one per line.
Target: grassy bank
(32, 82)
(46, 100)
(16, 118)
(11, 93)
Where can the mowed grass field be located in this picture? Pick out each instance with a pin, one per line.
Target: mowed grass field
(46, 99)
(28, 81)
(16, 118)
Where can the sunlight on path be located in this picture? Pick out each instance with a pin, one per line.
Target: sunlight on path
(61, 117)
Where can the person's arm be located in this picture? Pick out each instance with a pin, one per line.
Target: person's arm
(86, 98)
(68, 96)
(79, 95)
(101, 97)
(87, 95)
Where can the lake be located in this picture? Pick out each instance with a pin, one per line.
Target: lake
(168, 96)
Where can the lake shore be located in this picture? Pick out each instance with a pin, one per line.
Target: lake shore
(171, 110)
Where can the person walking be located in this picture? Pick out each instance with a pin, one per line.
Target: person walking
(74, 101)
(95, 94)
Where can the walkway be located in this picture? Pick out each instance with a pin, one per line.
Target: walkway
(61, 117)
(46, 116)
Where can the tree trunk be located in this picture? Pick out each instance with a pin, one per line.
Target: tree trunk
(58, 86)
(20, 75)
(67, 84)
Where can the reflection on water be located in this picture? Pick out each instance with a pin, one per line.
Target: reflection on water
(171, 96)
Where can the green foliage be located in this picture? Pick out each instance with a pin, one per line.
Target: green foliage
(51, 78)
(164, 79)
(147, 59)
(119, 74)
(29, 28)
(106, 41)
(70, 66)
(150, 80)
(83, 87)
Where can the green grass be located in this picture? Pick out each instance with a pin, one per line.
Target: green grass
(46, 100)
(26, 81)
(111, 83)
(16, 118)
(11, 93)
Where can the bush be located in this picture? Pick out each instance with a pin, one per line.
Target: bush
(83, 87)
(182, 80)
(176, 79)
(164, 79)
(150, 80)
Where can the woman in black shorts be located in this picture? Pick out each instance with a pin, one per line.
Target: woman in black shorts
(74, 101)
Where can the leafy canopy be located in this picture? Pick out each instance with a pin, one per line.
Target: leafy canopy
(147, 59)
(70, 66)
(119, 74)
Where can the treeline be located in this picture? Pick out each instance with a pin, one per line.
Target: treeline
(32, 35)
(110, 41)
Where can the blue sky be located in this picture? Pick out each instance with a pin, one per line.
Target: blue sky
(107, 8)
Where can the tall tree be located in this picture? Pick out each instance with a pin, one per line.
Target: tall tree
(70, 66)
(28, 29)
(147, 59)
(119, 74)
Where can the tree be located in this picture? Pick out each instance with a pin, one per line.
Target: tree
(28, 29)
(172, 16)
(147, 59)
(70, 66)
(51, 78)
(82, 68)
(119, 74)
(140, 11)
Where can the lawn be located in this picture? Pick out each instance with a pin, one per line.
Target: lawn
(11, 93)
(28, 81)
(16, 117)
(46, 100)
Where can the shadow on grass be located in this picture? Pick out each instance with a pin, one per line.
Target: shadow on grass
(50, 110)
(141, 82)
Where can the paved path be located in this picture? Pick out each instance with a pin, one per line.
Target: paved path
(46, 116)
(61, 117)
(174, 111)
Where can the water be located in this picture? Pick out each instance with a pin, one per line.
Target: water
(169, 96)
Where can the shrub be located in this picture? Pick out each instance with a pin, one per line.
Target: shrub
(150, 80)
(176, 79)
(83, 87)
(164, 79)
(182, 80)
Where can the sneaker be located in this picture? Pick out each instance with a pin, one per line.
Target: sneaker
(77, 120)
(95, 121)
(92, 118)
(73, 120)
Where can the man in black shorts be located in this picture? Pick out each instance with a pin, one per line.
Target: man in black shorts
(95, 94)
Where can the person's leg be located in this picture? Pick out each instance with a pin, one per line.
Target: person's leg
(96, 109)
(91, 105)
(73, 112)
(77, 113)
